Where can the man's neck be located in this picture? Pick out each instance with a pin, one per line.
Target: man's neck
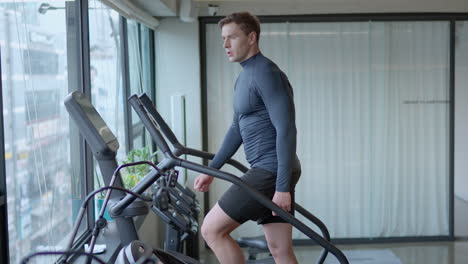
(252, 53)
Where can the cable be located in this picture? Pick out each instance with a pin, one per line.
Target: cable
(84, 205)
(89, 196)
(66, 253)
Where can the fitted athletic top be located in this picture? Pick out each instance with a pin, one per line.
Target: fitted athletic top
(264, 121)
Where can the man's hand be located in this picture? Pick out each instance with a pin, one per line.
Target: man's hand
(202, 182)
(283, 200)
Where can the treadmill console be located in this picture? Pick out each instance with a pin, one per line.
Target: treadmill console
(100, 138)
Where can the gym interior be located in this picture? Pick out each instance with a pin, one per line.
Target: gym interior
(111, 108)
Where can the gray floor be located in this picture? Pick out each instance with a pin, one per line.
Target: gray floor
(405, 253)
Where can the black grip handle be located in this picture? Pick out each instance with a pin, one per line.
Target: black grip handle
(148, 104)
(149, 124)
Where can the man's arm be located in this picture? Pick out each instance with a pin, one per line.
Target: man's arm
(276, 93)
(231, 144)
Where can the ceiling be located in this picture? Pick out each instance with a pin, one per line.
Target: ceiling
(195, 8)
(288, 7)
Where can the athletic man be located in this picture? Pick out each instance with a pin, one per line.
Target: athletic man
(264, 121)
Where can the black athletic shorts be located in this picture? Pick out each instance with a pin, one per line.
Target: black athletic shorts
(241, 207)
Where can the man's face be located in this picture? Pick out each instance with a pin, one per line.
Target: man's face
(236, 43)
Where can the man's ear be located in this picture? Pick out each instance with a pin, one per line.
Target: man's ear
(252, 37)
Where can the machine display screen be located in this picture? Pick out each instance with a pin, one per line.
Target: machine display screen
(99, 124)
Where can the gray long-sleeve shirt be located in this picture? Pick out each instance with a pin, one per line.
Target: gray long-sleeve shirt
(264, 121)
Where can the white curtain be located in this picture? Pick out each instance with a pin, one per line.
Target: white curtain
(373, 121)
(461, 109)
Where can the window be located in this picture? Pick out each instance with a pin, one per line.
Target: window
(107, 93)
(44, 179)
(139, 59)
(146, 54)
(107, 90)
(135, 68)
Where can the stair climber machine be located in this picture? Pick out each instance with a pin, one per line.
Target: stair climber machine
(181, 231)
(175, 204)
(155, 124)
(122, 207)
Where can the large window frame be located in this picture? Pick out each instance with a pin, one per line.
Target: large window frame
(78, 73)
(4, 254)
(136, 129)
(78, 54)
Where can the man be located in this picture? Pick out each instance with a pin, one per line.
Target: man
(264, 121)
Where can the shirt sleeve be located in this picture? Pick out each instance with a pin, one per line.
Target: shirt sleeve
(231, 144)
(276, 93)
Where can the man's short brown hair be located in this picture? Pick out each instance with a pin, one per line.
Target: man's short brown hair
(247, 22)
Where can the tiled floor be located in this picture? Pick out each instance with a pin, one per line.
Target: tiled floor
(406, 253)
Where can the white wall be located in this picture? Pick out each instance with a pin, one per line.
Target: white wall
(152, 230)
(178, 73)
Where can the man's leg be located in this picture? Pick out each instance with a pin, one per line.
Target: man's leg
(216, 230)
(279, 238)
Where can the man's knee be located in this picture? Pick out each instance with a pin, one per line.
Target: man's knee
(280, 249)
(217, 225)
(208, 232)
(212, 233)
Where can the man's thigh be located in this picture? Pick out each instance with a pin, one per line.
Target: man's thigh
(240, 205)
(278, 235)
